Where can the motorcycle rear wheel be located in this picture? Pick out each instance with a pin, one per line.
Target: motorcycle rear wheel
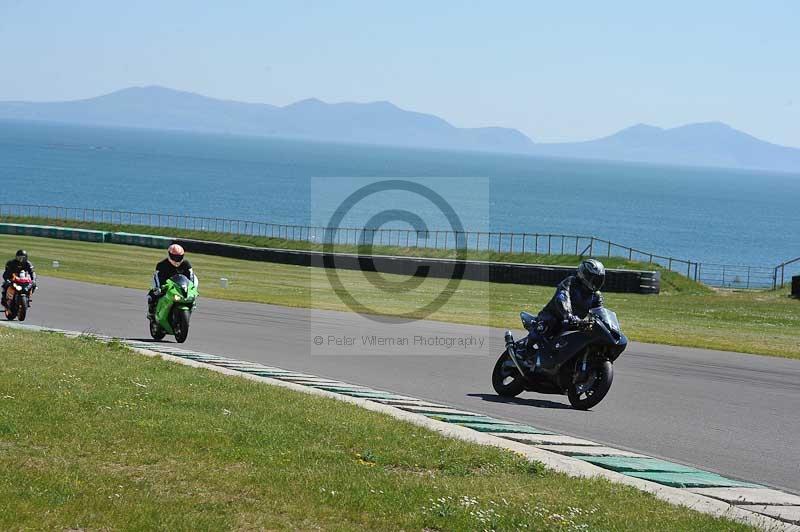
(584, 399)
(8, 307)
(156, 331)
(506, 378)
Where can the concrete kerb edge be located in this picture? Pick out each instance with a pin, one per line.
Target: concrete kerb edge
(556, 462)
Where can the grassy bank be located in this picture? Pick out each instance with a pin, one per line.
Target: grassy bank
(753, 322)
(94, 437)
(670, 281)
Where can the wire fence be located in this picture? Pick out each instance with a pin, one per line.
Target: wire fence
(718, 275)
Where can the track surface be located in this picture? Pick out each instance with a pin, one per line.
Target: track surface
(734, 414)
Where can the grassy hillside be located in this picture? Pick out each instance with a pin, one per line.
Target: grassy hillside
(670, 281)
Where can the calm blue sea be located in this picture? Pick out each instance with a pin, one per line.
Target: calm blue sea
(710, 215)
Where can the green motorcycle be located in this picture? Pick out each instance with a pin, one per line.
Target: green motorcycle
(174, 309)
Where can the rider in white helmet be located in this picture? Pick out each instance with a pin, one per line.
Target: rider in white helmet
(174, 264)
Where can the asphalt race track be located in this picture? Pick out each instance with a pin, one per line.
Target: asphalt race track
(734, 414)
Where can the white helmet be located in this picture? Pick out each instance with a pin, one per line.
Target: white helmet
(175, 253)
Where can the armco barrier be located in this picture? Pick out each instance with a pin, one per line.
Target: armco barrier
(147, 241)
(631, 281)
(46, 231)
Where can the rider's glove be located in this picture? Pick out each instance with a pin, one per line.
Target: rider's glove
(573, 322)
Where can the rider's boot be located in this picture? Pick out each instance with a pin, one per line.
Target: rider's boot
(535, 352)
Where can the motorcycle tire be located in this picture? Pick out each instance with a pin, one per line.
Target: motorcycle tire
(504, 370)
(22, 307)
(586, 399)
(181, 327)
(156, 331)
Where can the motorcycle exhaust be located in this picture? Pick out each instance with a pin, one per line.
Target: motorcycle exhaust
(512, 353)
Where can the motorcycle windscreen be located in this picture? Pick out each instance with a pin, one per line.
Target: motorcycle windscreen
(182, 281)
(608, 317)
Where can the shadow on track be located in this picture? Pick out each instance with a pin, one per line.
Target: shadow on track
(149, 340)
(538, 403)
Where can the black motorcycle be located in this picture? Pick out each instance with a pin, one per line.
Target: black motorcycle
(579, 362)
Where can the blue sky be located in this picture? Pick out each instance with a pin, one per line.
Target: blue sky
(555, 70)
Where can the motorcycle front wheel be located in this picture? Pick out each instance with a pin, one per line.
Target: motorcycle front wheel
(22, 307)
(181, 327)
(506, 378)
(588, 393)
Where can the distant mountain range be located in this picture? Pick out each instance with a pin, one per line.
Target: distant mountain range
(703, 144)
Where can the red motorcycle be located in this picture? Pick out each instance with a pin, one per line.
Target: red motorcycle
(17, 298)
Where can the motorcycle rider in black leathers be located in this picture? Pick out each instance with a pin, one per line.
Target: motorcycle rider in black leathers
(15, 266)
(570, 304)
(174, 264)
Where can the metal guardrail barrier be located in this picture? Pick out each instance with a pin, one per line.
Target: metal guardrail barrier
(795, 266)
(720, 275)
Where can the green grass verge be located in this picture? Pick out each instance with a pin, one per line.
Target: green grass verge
(93, 437)
(752, 322)
(670, 281)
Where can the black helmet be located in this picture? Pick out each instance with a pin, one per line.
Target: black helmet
(592, 273)
(22, 255)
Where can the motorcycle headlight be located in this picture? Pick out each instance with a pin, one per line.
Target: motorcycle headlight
(176, 297)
